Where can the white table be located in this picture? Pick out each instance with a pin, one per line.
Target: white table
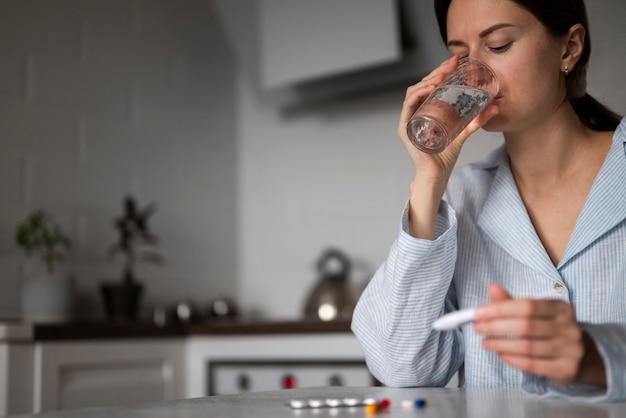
(442, 402)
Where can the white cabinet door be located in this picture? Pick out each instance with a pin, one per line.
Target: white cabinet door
(16, 378)
(103, 373)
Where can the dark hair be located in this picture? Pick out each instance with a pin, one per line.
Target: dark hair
(558, 16)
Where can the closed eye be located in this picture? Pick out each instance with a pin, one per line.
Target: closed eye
(500, 48)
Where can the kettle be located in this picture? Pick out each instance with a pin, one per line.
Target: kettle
(333, 297)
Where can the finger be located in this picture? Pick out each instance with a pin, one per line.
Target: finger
(536, 328)
(540, 308)
(413, 93)
(412, 101)
(416, 94)
(520, 347)
(445, 67)
(570, 345)
(497, 293)
(487, 114)
(478, 122)
(436, 76)
(561, 371)
(419, 91)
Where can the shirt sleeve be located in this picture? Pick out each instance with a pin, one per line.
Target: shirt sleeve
(610, 340)
(393, 318)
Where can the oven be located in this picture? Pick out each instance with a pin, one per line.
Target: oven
(239, 376)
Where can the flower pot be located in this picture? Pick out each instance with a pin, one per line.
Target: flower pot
(121, 301)
(47, 299)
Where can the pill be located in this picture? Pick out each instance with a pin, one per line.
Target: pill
(351, 401)
(333, 403)
(384, 403)
(297, 404)
(408, 404)
(371, 408)
(420, 403)
(315, 403)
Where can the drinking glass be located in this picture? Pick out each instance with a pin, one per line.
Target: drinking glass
(453, 104)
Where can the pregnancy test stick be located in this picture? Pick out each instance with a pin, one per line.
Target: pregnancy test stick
(455, 319)
(461, 317)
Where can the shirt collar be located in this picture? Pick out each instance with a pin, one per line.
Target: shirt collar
(604, 208)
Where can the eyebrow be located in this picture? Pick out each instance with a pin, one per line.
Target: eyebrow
(482, 34)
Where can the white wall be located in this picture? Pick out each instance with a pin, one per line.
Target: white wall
(337, 175)
(103, 98)
(330, 176)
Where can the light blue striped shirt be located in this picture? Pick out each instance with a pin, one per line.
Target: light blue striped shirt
(484, 235)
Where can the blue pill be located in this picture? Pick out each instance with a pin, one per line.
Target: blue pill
(420, 403)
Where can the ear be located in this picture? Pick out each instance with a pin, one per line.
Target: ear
(574, 42)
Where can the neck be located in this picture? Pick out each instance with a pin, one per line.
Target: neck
(546, 152)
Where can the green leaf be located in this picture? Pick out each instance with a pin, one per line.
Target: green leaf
(40, 233)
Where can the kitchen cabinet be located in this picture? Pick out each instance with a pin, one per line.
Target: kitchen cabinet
(275, 356)
(80, 374)
(67, 366)
(100, 364)
(16, 367)
(299, 53)
(281, 42)
(16, 393)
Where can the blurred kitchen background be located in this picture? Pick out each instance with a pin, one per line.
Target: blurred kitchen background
(264, 131)
(99, 99)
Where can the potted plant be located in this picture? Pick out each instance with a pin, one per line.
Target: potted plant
(46, 293)
(136, 244)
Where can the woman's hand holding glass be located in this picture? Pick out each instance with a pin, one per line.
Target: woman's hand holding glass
(432, 171)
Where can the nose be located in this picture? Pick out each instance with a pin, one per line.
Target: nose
(476, 54)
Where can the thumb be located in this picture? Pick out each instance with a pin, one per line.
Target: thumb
(476, 124)
(497, 293)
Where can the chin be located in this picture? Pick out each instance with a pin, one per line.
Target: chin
(495, 124)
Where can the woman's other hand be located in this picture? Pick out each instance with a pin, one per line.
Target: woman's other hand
(539, 336)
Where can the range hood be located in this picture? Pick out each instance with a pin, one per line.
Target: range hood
(298, 52)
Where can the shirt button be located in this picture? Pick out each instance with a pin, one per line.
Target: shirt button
(558, 288)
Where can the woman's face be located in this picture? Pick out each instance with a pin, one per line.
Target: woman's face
(524, 56)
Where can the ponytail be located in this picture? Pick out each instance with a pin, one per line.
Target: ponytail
(594, 114)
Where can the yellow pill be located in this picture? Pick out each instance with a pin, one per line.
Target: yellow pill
(372, 408)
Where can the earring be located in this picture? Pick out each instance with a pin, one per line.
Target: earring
(566, 71)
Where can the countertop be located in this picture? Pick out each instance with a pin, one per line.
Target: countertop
(15, 331)
(442, 402)
(109, 330)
